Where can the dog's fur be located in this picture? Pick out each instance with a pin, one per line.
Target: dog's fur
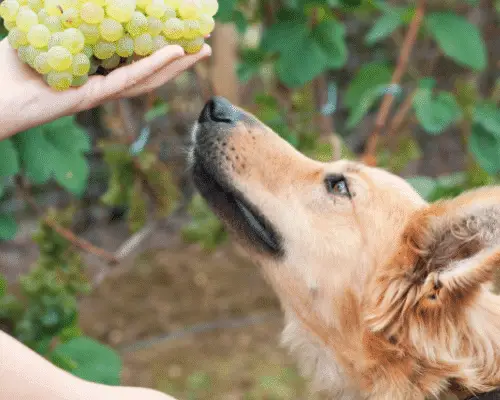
(385, 296)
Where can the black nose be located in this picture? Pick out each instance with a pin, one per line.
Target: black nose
(218, 109)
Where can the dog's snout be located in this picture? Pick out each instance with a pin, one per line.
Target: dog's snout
(218, 109)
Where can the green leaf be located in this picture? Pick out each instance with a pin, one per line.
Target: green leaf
(9, 162)
(364, 105)
(90, 360)
(226, 10)
(424, 185)
(458, 38)
(367, 77)
(435, 114)
(249, 66)
(55, 150)
(485, 147)
(8, 227)
(158, 110)
(488, 115)
(330, 37)
(384, 27)
(3, 286)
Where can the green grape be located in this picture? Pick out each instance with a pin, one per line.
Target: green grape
(143, 45)
(9, 10)
(90, 33)
(26, 19)
(55, 39)
(125, 46)
(120, 10)
(142, 4)
(38, 36)
(41, 63)
(53, 23)
(111, 62)
(193, 46)
(159, 42)
(155, 26)
(94, 66)
(17, 38)
(191, 29)
(210, 7)
(207, 25)
(42, 16)
(173, 29)
(169, 13)
(60, 80)
(73, 40)
(9, 25)
(104, 50)
(111, 30)
(35, 5)
(80, 80)
(138, 24)
(71, 18)
(53, 7)
(59, 58)
(173, 3)
(81, 65)
(92, 13)
(101, 3)
(27, 54)
(157, 9)
(190, 9)
(88, 51)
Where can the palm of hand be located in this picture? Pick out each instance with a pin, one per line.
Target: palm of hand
(36, 103)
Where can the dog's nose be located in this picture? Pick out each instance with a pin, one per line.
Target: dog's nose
(218, 109)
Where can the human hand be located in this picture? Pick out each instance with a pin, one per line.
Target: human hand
(27, 101)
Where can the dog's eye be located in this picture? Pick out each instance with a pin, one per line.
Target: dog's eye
(337, 184)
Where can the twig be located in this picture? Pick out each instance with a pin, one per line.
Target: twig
(400, 116)
(370, 154)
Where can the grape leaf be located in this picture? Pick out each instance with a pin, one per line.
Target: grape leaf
(485, 147)
(424, 185)
(384, 26)
(9, 162)
(55, 150)
(458, 38)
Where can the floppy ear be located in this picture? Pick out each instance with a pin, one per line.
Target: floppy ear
(447, 252)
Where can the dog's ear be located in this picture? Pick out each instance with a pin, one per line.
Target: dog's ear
(447, 252)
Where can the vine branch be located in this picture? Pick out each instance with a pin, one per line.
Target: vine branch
(369, 157)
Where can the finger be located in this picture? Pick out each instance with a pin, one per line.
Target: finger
(167, 73)
(99, 88)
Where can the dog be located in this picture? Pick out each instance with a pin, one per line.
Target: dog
(385, 296)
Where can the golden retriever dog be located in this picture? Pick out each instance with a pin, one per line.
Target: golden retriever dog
(385, 296)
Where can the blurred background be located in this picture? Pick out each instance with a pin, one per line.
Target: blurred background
(118, 272)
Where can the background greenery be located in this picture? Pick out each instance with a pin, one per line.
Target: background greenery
(318, 72)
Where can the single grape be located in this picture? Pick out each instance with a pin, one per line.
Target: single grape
(210, 7)
(9, 10)
(35, 5)
(9, 25)
(111, 30)
(26, 19)
(88, 51)
(121, 10)
(90, 33)
(155, 26)
(60, 80)
(125, 46)
(190, 9)
(138, 24)
(38, 36)
(17, 38)
(159, 42)
(101, 3)
(111, 62)
(55, 39)
(73, 40)
(71, 18)
(142, 4)
(193, 46)
(81, 65)
(173, 3)
(157, 9)
(173, 29)
(191, 29)
(59, 58)
(80, 80)
(41, 63)
(207, 25)
(104, 50)
(92, 13)
(169, 13)
(53, 23)
(42, 16)
(143, 45)
(27, 54)
(53, 7)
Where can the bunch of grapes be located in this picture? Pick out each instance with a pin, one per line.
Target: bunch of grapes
(67, 41)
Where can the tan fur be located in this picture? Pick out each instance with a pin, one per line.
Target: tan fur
(385, 296)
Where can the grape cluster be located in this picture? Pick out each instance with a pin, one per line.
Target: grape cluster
(67, 41)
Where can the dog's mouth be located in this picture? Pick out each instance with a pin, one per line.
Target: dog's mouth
(236, 211)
